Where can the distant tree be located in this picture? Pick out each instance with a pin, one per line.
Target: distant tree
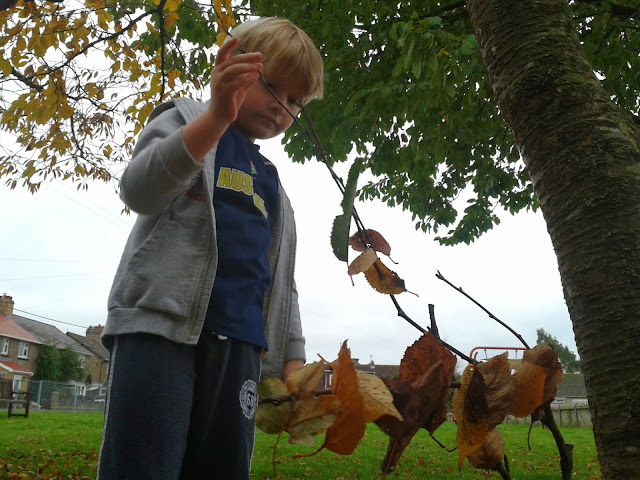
(568, 359)
(70, 366)
(58, 365)
(48, 363)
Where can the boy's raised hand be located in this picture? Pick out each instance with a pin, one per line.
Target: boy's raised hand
(231, 77)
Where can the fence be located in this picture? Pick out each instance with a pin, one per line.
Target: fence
(48, 395)
(565, 416)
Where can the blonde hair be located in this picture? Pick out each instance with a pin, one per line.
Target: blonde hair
(286, 49)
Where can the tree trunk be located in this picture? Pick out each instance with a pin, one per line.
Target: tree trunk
(582, 154)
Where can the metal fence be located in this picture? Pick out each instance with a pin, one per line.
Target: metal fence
(68, 397)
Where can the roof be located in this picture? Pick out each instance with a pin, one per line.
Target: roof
(387, 371)
(572, 386)
(12, 367)
(94, 347)
(9, 328)
(48, 334)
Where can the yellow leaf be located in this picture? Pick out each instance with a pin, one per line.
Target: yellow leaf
(172, 5)
(384, 280)
(5, 65)
(376, 397)
(170, 18)
(220, 38)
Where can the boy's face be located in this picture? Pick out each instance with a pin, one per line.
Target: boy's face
(261, 116)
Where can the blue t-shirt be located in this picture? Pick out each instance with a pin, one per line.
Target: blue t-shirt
(245, 199)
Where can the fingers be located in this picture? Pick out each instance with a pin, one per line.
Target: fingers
(226, 50)
(225, 54)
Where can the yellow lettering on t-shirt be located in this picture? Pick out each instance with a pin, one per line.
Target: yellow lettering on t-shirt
(239, 181)
(224, 178)
(237, 178)
(258, 201)
(248, 185)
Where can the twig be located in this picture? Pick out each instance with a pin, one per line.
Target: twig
(442, 445)
(434, 327)
(564, 449)
(503, 471)
(439, 276)
(288, 398)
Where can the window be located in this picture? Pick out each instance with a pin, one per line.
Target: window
(5, 347)
(23, 350)
(82, 360)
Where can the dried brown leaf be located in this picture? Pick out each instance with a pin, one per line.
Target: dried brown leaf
(422, 404)
(304, 382)
(364, 239)
(384, 280)
(544, 356)
(272, 419)
(311, 417)
(362, 262)
(422, 355)
(481, 402)
(527, 396)
(490, 454)
(347, 431)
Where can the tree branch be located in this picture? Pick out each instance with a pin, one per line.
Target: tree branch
(26, 80)
(439, 276)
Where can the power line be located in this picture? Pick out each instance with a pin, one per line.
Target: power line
(51, 319)
(52, 276)
(110, 217)
(49, 261)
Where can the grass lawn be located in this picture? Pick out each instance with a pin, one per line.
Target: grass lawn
(55, 446)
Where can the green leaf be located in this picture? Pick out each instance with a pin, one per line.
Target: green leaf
(341, 224)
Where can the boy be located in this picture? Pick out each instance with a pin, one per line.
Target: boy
(205, 284)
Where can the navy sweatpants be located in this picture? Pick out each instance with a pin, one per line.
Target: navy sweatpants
(179, 412)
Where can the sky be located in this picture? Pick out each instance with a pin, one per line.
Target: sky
(59, 249)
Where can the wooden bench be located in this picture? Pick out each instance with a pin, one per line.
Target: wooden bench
(9, 397)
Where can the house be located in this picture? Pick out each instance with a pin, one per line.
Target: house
(382, 371)
(571, 392)
(45, 334)
(97, 364)
(18, 348)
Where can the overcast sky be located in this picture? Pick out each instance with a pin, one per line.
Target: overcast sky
(59, 250)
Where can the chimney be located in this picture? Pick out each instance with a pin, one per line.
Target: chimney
(93, 333)
(6, 304)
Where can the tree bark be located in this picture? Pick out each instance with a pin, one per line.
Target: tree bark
(583, 156)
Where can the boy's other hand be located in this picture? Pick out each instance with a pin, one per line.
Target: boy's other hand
(230, 79)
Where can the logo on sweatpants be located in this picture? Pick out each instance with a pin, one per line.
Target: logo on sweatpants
(249, 398)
